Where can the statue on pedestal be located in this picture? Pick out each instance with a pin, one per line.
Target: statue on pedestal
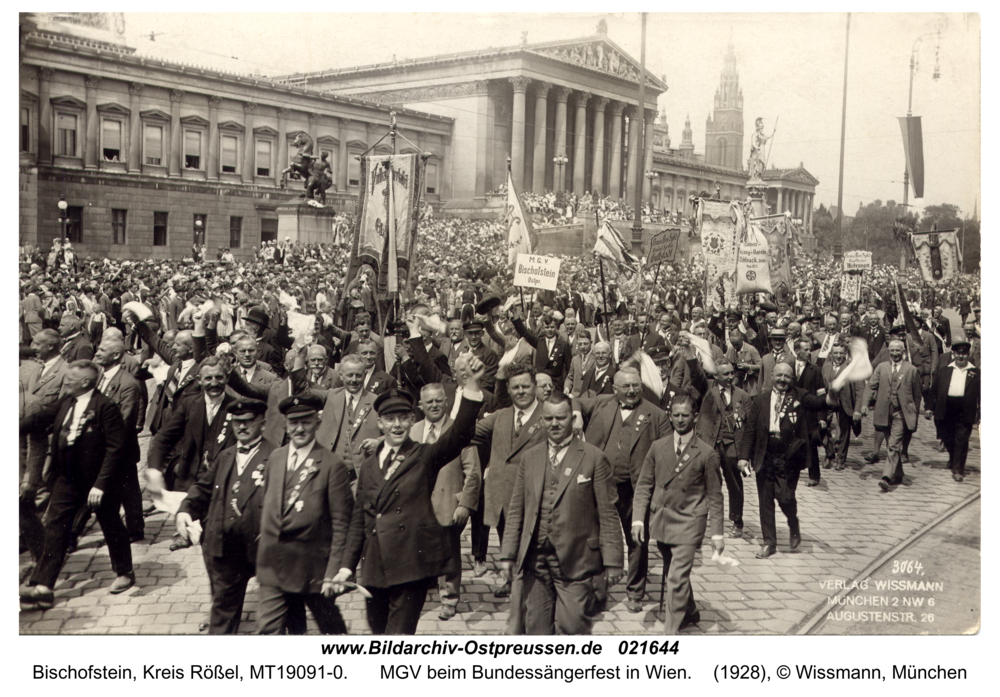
(755, 165)
(305, 165)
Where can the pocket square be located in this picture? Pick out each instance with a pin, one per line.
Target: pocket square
(580, 479)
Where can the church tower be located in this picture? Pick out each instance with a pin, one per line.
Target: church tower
(724, 129)
(687, 144)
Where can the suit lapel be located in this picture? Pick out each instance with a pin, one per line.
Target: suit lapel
(361, 411)
(405, 464)
(527, 430)
(303, 476)
(565, 472)
(42, 380)
(258, 460)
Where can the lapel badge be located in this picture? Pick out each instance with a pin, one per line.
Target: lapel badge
(295, 401)
(298, 506)
(567, 471)
(685, 458)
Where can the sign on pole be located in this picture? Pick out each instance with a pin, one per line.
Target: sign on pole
(534, 271)
(857, 261)
(663, 247)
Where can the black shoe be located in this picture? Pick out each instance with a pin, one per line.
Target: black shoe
(38, 600)
(812, 482)
(502, 592)
(136, 536)
(736, 531)
(633, 606)
(766, 551)
(180, 543)
(871, 458)
(693, 618)
(884, 483)
(957, 477)
(794, 541)
(447, 612)
(122, 583)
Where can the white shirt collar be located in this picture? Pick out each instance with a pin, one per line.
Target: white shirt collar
(47, 365)
(303, 453)
(186, 364)
(526, 413)
(83, 401)
(955, 366)
(682, 441)
(111, 372)
(439, 425)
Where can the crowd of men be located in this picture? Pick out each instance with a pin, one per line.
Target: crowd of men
(349, 455)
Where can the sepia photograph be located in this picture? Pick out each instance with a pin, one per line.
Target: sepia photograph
(653, 325)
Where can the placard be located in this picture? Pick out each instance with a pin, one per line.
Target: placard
(663, 247)
(534, 271)
(857, 261)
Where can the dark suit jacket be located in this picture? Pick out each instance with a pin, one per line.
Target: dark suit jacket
(95, 458)
(394, 532)
(585, 532)
(937, 396)
(300, 545)
(164, 405)
(79, 348)
(793, 427)
(126, 392)
(652, 339)
(458, 483)
(497, 430)
(209, 500)
(850, 395)
(590, 386)
(649, 424)
(197, 443)
(557, 364)
(712, 411)
(680, 503)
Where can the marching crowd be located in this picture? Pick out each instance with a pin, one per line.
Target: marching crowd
(324, 441)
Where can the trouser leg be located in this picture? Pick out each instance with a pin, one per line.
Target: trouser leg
(894, 444)
(119, 547)
(229, 577)
(765, 502)
(734, 481)
(784, 492)
(638, 555)
(326, 612)
(63, 505)
(131, 498)
(679, 601)
(271, 609)
(962, 434)
(406, 601)
(539, 596)
(843, 441)
(450, 584)
(480, 531)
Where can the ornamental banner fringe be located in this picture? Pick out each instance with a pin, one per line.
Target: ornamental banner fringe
(939, 254)
(717, 224)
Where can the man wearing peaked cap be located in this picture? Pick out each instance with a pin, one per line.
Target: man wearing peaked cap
(395, 535)
(228, 499)
(304, 525)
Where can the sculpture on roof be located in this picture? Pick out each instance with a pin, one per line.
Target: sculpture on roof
(755, 165)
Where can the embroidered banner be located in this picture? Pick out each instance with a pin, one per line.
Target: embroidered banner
(717, 225)
(939, 254)
(778, 231)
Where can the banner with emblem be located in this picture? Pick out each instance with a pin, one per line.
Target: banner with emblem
(717, 225)
(388, 212)
(938, 253)
(850, 287)
(779, 231)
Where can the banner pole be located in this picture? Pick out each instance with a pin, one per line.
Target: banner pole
(521, 291)
(604, 300)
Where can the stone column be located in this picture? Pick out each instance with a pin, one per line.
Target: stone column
(810, 224)
(633, 167)
(538, 154)
(45, 115)
(248, 142)
(314, 132)
(212, 169)
(281, 147)
(580, 150)
(615, 170)
(174, 158)
(342, 162)
(91, 138)
(562, 95)
(135, 128)
(647, 152)
(780, 194)
(597, 174)
(517, 131)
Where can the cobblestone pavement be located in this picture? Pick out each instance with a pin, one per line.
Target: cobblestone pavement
(948, 554)
(848, 523)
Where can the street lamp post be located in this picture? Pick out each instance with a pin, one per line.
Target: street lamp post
(650, 175)
(560, 161)
(63, 216)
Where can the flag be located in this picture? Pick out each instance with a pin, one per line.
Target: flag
(717, 224)
(938, 253)
(611, 246)
(913, 148)
(519, 233)
(389, 207)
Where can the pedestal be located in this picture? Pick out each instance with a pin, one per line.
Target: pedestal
(757, 190)
(301, 222)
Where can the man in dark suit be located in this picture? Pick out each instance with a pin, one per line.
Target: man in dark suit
(810, 378)
(553, 355)
(125, 392)
(846, 412)
(376, 380)
(954, 403)
(720, 424)
(87, 452)
(624, 426)
(181, 378)
(598, 379)
(678, 491)
(76, 344)
(562, 529)
(228, 499)
(270, 343)
(774, 441)
(456, 490)
(508, 432)
(395, 534)
(304, 527)
(250, 368)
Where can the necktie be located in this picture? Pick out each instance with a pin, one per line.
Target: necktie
(68, 424)
(432, 435)
(777, 408)
(387, 462)
(245, 449)
(293, 463)
(798, 369)
(104, 384)
(680, 449)
(350, 407)
(518, 423)
(725, 397)
(895, 370)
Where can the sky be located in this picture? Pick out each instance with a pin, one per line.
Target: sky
(791, 72)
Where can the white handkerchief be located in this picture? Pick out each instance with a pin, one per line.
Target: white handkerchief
(580, 479)
(724, 560)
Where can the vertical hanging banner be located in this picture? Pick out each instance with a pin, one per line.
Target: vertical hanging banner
(388, 212)
(717, 223)
(913, 148)
(776, 228)
(850, 287)
(753, 273)
(938, 253)
(519, 232)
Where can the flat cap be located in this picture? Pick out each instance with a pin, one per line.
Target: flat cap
(301, 405)
(394, 402)
(244, 406)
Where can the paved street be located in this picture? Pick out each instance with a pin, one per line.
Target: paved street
(848, 525)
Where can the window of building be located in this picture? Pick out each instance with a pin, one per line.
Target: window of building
(263, 162)
(230, 154)
(431, 178)
(66, 139)
(111, 140)
(153, 145)
(235, 231)
(118, 218)
(25, 129)
(199, 228)
(192, 149)
(268, 229)
(354, 166)
(159, 228)
(74, 228)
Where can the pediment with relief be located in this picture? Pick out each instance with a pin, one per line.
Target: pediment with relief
(598, 54)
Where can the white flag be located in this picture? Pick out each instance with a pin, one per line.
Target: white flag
(518, 224)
